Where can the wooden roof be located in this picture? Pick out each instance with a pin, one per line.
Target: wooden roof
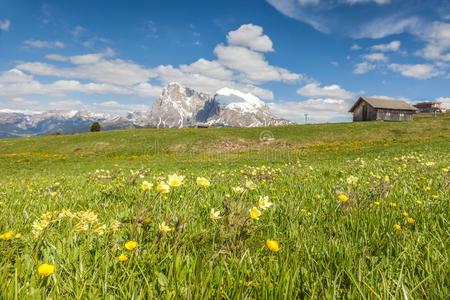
(383, 103)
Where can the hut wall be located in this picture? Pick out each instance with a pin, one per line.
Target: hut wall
(394, 115)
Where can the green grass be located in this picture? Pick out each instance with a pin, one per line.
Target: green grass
(328, 250)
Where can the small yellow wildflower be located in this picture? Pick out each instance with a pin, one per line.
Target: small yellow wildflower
(376, 203)
(255, 213)
(46, 269)
(392, 204)
(214, 214)
(202, 182)
(8, 235)
(175, 180)
(18, 235)
(273, 245)
(53, 194)
(405, 214)
(264, 202)
(130, 245)
(163, 228)
(163, 188)
(146, 186)
(410, 220)
(342, 198)
(397, 227)
(123, 257)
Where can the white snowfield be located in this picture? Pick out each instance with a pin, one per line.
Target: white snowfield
(237, 100)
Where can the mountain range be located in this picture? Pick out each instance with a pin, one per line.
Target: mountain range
(177, 107)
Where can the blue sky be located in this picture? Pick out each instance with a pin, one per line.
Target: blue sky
(299, 56)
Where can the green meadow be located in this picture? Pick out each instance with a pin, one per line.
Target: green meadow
(330, 211)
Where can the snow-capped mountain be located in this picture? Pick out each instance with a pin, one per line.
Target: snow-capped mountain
(176, 107)
(185, 107)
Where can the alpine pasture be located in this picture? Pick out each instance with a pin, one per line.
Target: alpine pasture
(332, 211)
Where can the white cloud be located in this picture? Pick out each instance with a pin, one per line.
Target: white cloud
(319, 110)
(43, 44)
(252, 64)
(379, 2)
(392, 46)
(437, 36)
(250, 36)
(418, 71)
(385, 26)
(314, 90)
(355, 47)
(376, 57)
(363, 68)
(445, 102)
(4, 25)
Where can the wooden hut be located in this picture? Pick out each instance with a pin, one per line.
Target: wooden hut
(429, 107)
(374, 109)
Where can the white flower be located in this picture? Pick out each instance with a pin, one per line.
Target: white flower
(214, 214)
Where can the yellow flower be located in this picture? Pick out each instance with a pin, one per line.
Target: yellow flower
(435, 197)
(343, 198)
(174, 180)
(392, 204)
(387, 179)
(214, 214)
(202, 182)
(376, 203)
(273, 245)
(123, 257)
(18, 235)
(8, 235)
(130, 245)
(405, 214)
(397, 227)
(162, 188)
(255, 213)
(410, 220)
(163, 228)
(318, 196)
(146, 186)
(264, 202)
(53, 194)
(46, 269)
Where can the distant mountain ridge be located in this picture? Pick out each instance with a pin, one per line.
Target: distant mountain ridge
(177, 107)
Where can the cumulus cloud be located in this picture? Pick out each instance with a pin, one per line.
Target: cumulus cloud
(319, 110)
(250, 36)
(363, 68)
(376, 57)
(418, 71)
(43, 44)
(437, 37)
(4, 25)
(314, 90)
(392, 46)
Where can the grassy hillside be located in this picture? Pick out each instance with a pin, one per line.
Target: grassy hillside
(331, 211)
(178, 148)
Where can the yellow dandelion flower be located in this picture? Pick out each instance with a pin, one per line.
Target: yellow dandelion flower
(46, 269)
(130, 245)
(376, 203)
(8, 235)
(255, 213)
(392, 204)
(123, 257)
(163, 188)
(146, 186)
(410, 220)
(397, 227)
(202, 182)
(163, 228)
(273, 245)
(342, 198)
(405, 214)
(175, 180)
